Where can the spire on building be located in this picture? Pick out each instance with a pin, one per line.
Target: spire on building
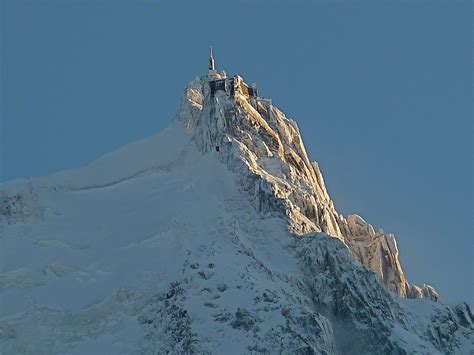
(211, 61)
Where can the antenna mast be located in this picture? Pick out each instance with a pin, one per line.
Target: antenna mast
(212, 65)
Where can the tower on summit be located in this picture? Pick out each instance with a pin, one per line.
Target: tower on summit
(213, 74)
(212, 65)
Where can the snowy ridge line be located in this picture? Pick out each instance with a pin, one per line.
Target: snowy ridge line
(140, 174)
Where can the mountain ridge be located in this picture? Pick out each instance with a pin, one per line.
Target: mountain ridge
(170, 245)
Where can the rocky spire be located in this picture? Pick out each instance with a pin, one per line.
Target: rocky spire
(265, 150)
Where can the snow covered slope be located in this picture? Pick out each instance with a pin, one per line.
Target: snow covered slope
(168, 246)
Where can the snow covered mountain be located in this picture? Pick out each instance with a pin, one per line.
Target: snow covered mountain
(215, 236)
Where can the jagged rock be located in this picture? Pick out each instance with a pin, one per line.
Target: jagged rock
(270, 296)
(359, 307)
(244, 319)
(221, 287)
(167, 324)
(465, 315)
(265, 150)
(426, 291)
(223, 317)
(206, 275)
(21, 206)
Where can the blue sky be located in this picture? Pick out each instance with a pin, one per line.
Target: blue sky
(381, 90)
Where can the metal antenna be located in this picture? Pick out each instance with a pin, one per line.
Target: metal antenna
(212, 65)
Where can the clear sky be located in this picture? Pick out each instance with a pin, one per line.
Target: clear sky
(381, 90)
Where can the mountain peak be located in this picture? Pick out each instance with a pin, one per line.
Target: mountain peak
(265, 150)
(220, 224)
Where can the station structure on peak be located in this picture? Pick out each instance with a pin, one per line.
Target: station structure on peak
(218, 81)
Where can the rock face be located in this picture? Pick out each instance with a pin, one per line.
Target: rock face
(216, 236)
(265, 149)
(359, 308)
